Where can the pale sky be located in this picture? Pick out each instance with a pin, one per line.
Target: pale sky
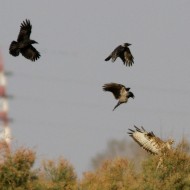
(59, 107)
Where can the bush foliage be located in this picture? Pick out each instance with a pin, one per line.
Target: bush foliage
(17, 173)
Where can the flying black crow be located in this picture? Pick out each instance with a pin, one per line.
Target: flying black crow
(124, 53)
(24, 43)
(119, 91)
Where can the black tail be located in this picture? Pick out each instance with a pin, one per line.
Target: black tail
(108, 58)
(13, 49)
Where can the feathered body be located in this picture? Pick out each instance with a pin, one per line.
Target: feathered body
(149, 142)
(23, 44)
(124, 53)
(119, 91)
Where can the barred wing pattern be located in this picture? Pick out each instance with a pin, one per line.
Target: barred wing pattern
(148, 141)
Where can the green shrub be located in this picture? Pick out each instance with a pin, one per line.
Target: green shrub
(15, 170)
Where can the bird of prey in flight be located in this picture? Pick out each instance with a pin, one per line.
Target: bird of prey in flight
(150, 142)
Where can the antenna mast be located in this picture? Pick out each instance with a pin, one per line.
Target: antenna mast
(5, 131)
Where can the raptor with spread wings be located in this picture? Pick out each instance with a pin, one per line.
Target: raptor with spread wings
(149, 142)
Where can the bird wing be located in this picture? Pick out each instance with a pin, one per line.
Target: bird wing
(114, 88)
(147, 140)
(116, 52)
(127, 57)
(30, 53)
(122, 57)
(25, 30)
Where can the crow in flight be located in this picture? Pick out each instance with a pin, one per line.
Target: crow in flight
(24, 43)
(124, 53)
(119, 91)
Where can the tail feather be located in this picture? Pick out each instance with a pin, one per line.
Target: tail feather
(108, 58)
(14, 50)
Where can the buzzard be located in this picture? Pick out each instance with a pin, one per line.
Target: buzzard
(124, 53)
(119, 91)
(23, 44)
(149, 142)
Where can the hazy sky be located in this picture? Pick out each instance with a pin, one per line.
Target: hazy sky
(59, 107)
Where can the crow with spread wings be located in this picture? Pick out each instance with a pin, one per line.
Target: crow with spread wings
(124, 53)
(23, 44)
(119, 91)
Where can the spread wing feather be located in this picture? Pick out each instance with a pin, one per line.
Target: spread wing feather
(114, 88)
(115, 53)
(30, 53)
(25, 30)
(147, 140)
(127, 57)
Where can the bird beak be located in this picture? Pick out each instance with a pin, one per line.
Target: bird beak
(34, 42)
(127, 89)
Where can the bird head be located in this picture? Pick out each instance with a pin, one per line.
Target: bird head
(131, 95)
(170, 141)
(126, 44)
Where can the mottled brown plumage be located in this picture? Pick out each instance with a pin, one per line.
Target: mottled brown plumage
(149, 142)
(23, 44)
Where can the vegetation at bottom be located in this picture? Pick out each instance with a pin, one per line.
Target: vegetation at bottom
(17, 172)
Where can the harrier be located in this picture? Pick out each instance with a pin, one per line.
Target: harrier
(23, 44)
(119, 91)
(124, 53)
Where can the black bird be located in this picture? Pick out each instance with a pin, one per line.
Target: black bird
(24, 43)
(119, 91)
(124, 53)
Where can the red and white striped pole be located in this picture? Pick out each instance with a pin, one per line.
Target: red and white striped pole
(5, 131)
